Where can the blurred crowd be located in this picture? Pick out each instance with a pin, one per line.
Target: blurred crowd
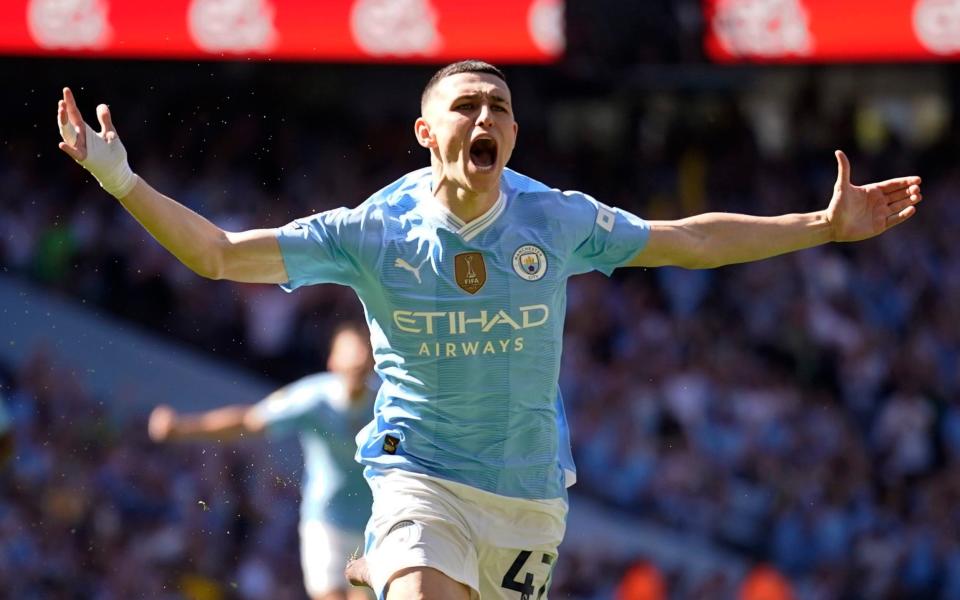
(801, 412)
(91, 509)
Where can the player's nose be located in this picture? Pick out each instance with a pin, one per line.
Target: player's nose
(485, 116)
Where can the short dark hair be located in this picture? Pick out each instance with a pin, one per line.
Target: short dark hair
(463, 66)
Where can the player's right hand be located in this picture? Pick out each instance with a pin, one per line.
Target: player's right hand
(357, 572)
(161, 422)
(100, 153)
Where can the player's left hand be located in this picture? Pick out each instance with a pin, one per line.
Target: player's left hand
(858, 212)
(161, 422)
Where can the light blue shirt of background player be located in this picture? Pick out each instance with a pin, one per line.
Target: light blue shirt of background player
(466, 322)
(325, 410)
(318, 410)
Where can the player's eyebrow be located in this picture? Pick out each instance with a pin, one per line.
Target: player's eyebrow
(474, 95)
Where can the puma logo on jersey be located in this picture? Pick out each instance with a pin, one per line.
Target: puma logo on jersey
(402, 264)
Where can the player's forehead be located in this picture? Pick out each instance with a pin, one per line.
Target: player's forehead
(348, 340)
(469, 84)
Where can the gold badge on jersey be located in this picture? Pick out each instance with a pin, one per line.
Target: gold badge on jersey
(470, 271)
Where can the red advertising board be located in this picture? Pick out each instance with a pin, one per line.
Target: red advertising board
(323, 30)
(832, 30)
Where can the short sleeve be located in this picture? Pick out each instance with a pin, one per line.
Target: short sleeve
(295, 407)
(336, 246)
(605, 237)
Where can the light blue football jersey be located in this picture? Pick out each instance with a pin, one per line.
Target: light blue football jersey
(317, 409)
(466, 322)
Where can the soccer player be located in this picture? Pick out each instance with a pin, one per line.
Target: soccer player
(326, 410)
(462, 269)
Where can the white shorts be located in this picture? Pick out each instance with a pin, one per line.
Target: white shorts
(501, 547)
(324, 552)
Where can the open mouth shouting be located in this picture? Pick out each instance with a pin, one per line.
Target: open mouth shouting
(483, 154)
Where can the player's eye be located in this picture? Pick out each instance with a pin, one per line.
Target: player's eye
(499, 108)
(464, 106)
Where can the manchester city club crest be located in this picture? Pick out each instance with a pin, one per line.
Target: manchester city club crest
(530, 262)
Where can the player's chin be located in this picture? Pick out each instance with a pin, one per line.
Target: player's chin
(483, 178)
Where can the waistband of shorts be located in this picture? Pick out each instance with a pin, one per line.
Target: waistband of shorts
(467, 492)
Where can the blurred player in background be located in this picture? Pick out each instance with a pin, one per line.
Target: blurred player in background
(325, 410)
(462, 269)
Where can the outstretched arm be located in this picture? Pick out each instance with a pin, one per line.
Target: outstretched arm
(715, 239)
(227, 423)
(249, 256)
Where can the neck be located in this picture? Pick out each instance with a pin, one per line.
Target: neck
(466, 204)
(356, 390)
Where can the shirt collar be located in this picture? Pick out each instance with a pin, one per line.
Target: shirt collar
(432, 207)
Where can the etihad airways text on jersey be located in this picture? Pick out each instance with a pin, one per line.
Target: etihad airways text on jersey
(459, 322)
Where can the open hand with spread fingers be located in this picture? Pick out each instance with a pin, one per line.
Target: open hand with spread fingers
(102, 154)
(858, 212)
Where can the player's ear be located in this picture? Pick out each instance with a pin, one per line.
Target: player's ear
(425, 138)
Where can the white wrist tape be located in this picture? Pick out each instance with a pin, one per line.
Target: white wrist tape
(106, 161)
